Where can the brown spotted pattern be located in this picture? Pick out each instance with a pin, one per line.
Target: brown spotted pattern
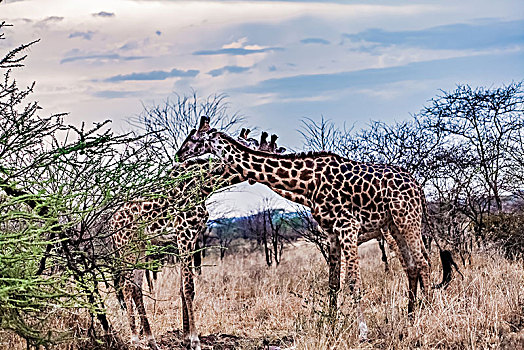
(176, 217)
(347, 198)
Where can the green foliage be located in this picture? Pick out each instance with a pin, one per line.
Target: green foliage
(59, 184)
(506, 231)
(23, 294)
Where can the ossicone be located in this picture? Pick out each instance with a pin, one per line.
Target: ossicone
(204, 124)
(263, 137)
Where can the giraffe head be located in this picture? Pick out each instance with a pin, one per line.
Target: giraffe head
(270, 147)
(249, 142)
(198, 142)
(263, 145)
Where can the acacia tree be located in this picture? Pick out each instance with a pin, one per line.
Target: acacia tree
(58, 185)
(21, 134)
(486, 122)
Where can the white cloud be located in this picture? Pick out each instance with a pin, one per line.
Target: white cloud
(235, 44)
(128, 29)
(134, 40)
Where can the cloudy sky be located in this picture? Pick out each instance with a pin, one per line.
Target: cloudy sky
(279, 61)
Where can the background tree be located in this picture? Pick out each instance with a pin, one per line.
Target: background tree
(172, 120)
(267, 225)
(303, 225)
(224, 231)
(486, 122)
(465, 148)
(475, 162)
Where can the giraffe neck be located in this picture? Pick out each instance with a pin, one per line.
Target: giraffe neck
(293, 178)
(207, 175)
(221, 174)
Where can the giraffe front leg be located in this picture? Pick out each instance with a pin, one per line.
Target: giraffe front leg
(348, 230)
(334, 272)
(187, 289)
(128, 291)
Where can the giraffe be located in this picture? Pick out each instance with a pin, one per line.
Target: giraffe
(381, 236)
(174, 217)
(160, 219)
(347, 199)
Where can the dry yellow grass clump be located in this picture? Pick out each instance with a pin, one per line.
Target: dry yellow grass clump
(285, 305)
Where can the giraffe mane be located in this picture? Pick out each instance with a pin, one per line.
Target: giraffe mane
(291, 156)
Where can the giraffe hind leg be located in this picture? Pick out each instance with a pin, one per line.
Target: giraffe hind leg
(414, 259)
(128, 291)
(138, 298)
(348, 230)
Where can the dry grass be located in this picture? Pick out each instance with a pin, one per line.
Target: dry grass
(241, 296)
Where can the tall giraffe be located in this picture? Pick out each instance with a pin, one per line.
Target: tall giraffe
(381, 236)
(179, 217)
(160, 220)
(347, 199)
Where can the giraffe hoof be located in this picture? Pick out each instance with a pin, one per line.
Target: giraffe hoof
(135, 341)
(195, 343)
(152, 344)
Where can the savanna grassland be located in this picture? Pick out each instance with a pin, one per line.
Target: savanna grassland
(242, 304)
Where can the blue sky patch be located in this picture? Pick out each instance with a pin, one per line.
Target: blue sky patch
(102, 57)
(115, 94)
(104, 14)
(315, 41)
(308, 85)
(449, 37)
(235, 51)
(228, 69)
(153, 75)
(84, 35)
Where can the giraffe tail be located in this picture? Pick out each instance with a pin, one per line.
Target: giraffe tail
(119, 285)
(447, 263)
(446, 257)
(148, 279)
